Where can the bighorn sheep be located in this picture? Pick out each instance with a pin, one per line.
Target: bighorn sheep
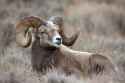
(49, 48)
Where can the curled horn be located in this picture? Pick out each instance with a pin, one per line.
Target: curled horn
(66, 41)
(23, 27)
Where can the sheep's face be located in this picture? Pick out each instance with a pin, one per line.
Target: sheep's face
(46, 33)
(49, 35)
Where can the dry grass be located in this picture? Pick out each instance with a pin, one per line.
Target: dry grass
(102, 26)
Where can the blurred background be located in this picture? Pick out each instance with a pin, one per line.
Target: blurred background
(101, 24)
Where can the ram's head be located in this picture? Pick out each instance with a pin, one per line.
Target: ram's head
(47, 33)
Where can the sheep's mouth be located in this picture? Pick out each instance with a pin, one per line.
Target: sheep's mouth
(57, 44)
(54, 44)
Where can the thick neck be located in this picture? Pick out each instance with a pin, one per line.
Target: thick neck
(44, 57)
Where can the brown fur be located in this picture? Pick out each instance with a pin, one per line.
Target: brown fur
(69, 61)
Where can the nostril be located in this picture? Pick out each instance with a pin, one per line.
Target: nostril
(58, 39)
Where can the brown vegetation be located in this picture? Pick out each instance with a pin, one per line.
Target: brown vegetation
(101, 23)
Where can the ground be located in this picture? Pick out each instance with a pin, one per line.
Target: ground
(101, 24)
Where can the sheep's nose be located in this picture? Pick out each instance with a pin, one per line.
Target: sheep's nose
(58, 39)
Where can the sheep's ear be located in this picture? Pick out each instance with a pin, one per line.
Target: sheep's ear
(99, 64)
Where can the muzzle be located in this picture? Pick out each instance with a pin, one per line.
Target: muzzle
(57, 40)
